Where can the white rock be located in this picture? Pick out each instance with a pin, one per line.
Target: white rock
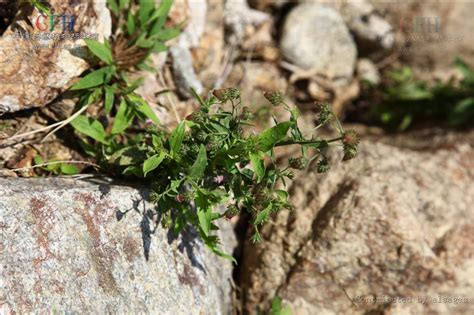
(315, 37)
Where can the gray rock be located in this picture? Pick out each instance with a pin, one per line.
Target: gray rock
(75, 247)
(34, 72)
(392, 224)
(315, 37)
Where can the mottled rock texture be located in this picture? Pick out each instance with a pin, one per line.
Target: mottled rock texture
(34, 70)
(77, 247)
(315, 37)
(393, 223)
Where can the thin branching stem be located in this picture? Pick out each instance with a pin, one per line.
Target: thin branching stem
(290, 142)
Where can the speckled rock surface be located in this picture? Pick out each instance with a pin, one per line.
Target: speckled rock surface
(35, 67)
(391, 230)
(80, 248)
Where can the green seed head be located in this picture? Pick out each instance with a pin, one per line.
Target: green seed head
(275, 98)
(298, 163)
(323, 166)
(324, 113)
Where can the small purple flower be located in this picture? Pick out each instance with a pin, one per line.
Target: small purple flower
(219, 179)
(149, 122)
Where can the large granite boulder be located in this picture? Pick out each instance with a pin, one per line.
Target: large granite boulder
(390, 232)
(76, 247)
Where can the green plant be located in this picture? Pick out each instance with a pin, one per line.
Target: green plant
(139, 30)
(404, 100)
(209, 159)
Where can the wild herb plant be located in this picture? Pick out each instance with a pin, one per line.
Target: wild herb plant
(403, 100)
(210, 159)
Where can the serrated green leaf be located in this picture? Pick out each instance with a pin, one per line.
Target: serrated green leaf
(100, 50)
(123, 119)
(153, 162)
(257, 164)
(176, 139)
(91, 128)
(271, 136)
(199, 166)
(109, 98)
(262, 216)
(93, 79)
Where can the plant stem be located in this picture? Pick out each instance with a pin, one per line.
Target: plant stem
(290, 142)
(52, 163)
(66, 121)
